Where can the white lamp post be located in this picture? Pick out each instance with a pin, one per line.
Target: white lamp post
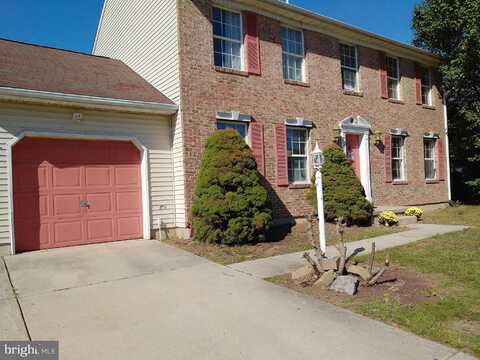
(318, 160)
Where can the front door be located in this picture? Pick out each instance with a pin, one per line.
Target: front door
(353, 152)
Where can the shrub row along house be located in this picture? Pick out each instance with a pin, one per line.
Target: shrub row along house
(284, 78)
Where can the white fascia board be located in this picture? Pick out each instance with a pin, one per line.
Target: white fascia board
(35, 96)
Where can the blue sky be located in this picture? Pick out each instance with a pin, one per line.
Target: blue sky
(71, 24)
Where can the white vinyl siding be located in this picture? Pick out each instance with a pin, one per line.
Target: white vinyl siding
(152, 131)
(144, 35)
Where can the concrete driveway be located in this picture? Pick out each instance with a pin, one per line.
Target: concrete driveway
(145, 300)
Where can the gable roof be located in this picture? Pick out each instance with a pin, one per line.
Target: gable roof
(38, 68)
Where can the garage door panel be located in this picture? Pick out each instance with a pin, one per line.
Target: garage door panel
(130, 227)
(68, 232)
(127, 176)
(97, 176)
(100, 230)
(67, 205)
(66, 177)
(54, 177)
(99, 202)
(128, 202)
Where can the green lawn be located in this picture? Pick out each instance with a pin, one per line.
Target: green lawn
(451, 264)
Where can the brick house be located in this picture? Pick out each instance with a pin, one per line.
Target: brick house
(287, 78)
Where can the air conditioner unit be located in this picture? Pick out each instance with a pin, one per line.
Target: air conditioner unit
(299, 122)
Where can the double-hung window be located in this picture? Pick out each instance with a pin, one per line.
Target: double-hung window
(227, 38)
(393, 78)
(348, 59)
(426, 86)
(430, 158)
(240, 127)
(297, 147)
(293, 54)
(398, 158)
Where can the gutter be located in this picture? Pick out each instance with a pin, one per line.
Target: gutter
(447, 147)
(296, 10)
(83, 101)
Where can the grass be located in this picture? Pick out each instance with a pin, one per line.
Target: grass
(453, 260)
(290, 243)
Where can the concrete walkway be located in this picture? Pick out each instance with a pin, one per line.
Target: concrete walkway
(283, 264)
(145, 300)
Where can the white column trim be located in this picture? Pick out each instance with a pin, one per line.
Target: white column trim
(144, 166)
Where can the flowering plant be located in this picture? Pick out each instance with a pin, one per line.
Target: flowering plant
(414, 211)
(388, 218)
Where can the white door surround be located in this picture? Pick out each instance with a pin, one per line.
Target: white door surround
(359, 126)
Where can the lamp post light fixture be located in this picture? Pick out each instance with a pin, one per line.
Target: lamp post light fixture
(318, 161)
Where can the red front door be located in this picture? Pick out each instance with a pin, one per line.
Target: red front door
(73, 192)
(353, 152)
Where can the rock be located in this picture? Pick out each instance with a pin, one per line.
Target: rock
(359, 270)
(326, 279)
(303, 273)
(330, 264)
(346, 284)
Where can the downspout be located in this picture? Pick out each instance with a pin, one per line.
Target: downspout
(447, 147)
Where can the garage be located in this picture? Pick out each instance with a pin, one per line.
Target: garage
(86, 152)
(74, 192)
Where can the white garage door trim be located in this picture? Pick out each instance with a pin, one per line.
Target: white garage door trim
(72, 135)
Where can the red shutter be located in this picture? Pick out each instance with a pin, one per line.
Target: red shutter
(383, 75)
(388, 157)
(255, 137)
(418, 84)
(281, 165)
(441, 159)
(252, 43)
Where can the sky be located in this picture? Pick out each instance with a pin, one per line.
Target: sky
(71, 24)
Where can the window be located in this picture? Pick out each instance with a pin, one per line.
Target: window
(430, 158)
(227, 39)
(426, 86)
(393, 78)
(293, 54)
(240, 127)
(297, 139)
(348, 59)
(398, 158)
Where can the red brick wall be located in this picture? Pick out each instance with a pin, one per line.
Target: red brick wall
(205, 90)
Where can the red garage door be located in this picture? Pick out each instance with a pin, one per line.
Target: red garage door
(73, 192)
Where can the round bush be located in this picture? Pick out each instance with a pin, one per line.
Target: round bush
(343, 192)
(388, 218)
(230, 206)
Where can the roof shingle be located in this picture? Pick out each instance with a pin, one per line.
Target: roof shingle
(33, 67)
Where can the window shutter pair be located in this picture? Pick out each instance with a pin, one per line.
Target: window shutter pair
(418, 84)
(252, 43)
(383, 75)
(255, 136)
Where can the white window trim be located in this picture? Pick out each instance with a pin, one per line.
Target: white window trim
(144, 169)
(306, 156)
(398, 79)
(304, 75)
(429, 87)
(403, 159)
(241, 42)
(356, 69)
(434, 158)
(243, 123)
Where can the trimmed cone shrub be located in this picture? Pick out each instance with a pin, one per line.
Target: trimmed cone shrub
(231, 206)
(343, 192)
